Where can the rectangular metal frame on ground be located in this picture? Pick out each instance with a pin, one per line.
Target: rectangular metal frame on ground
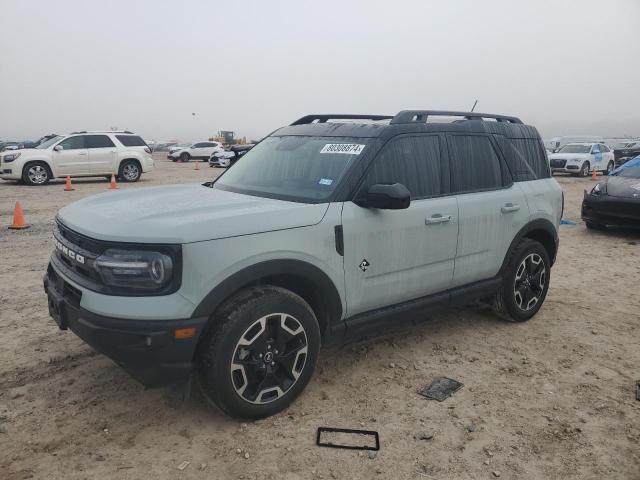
(372, 433)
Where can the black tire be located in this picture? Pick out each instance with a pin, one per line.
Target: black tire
(36, 174)
(591, 225)
(242, 392)
(506, 303)
(130, 171)
(610, 168)
(584, 170)
(184, 156)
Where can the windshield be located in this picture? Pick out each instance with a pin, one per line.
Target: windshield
(575, 149)
(631, 172)
(305, 169)
(627, 145)
(49, 142)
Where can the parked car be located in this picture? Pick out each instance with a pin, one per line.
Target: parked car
(615, 200)
(35, 143)
(625, 151)
(179, 146)
(325, 227)
(556, 143)
(227, 158)
(195, 151)
(581, 158)
(10, 146)
(80, 154)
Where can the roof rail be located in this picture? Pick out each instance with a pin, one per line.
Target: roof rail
(322, 118)
(421, 116)
(102, 131)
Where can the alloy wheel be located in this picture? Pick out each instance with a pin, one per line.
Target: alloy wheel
(530, 280)
(37, 174)
(269, 358)
(130, 171)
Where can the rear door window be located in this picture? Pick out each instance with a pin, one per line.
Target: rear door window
(474, 164)
(413, 161)
(99, 141)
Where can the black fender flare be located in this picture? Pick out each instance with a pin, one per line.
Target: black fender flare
(540, 224)
(254, 273)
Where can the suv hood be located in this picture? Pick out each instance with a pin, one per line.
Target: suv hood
(183, 214)
(569, 156)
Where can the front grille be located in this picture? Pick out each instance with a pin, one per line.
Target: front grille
(88, 248)
(557, 163)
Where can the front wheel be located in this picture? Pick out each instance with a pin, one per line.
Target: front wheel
(36, 173)
(130, 171)
(260, 353)
(584, 171)
(185, 157)
(525, 282)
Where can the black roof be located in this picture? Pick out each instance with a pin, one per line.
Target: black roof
(407, 121)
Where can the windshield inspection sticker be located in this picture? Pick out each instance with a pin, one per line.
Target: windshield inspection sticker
(325, 181)
(348, 148)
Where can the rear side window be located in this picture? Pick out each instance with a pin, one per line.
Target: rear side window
(73, 143)
(411, 161)
(474, 164)
(131, 141)
(525, 157)
(200, 145)
(98, 141)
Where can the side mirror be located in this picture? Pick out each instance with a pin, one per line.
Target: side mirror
(193, 146)
(58, 148)
(386, 197)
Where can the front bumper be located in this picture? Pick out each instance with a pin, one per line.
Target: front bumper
(147, 349)
(607, 210)
(570, 168)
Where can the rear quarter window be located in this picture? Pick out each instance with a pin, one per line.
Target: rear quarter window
(526, 158)
(131, 141)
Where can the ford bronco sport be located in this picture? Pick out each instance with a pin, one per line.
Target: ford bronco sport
(329, 225)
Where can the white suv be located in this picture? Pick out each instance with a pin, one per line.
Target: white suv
(196, 151)
(80, 154)
(581, 158)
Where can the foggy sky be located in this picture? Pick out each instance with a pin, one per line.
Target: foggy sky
(567, 67)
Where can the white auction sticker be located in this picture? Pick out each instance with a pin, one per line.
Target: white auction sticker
(348, 148)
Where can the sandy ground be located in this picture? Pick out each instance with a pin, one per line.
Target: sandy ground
(550, 399)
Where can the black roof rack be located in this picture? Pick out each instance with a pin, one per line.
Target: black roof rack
(421, 116)
(322, 118)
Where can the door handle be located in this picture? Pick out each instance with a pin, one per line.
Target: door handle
(510, 207)
(437, 218)
(82, 153)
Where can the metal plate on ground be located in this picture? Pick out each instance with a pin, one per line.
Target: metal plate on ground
(441, 388)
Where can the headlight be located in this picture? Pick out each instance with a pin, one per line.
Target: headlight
(145, 271)
(599, 189)
(10, 158)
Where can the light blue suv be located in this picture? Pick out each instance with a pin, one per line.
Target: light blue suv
(326, 227)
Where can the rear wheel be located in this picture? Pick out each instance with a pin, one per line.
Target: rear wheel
(525, 282)
(584, 171)
(610, 167)
(36, 173)
(261, 352)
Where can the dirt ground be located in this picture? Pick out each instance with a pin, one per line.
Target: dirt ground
(549, 399)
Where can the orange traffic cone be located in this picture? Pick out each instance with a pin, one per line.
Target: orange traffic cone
(68, 187)
(594, 175)
(197, 167)
(18, 219)
(113, 185)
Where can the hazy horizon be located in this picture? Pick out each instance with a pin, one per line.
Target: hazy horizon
(567, 67)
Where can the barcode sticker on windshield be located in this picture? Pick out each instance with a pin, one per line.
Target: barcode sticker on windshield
(348, 148)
